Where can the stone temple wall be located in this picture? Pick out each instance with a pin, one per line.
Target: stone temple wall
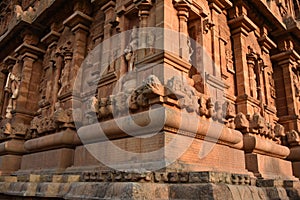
(150, 99)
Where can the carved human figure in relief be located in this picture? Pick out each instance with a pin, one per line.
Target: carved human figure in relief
(63, 81)
(253, 85)
(12, 87)
(296, 84)
(129, 51)
(66, 50)
(229, 60)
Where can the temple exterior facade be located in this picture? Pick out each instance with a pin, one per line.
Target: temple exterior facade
(150, 99)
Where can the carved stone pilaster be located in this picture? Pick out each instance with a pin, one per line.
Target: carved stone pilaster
(286, 77)
(79, 24)
(183, 7)
(212, 23)
(265, 42)
(144, 7)
(26, 104)
(109, 10)
(51, 67)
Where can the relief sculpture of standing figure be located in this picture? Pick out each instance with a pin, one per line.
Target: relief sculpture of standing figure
(12, 87)
(130, 49)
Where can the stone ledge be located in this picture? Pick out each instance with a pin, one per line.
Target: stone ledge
(178, 121)
(110, 176)
(252, 143)
(15, 147)
(127, 190)
(66, 138)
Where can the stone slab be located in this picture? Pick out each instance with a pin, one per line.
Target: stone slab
(52, 159)
(296, 169)
(164, 149)
(9, 164)
(269, 167)
(107, 190)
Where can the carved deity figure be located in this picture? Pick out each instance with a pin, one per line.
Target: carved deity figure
(66, 52)
(151, 42)
(296, 85)
(130, 49)
(191, 50)
(252, 58)
(12, 87)
(253, 85)
(229, 60)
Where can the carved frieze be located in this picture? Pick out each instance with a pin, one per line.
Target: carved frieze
(257, 125)
(166, 177)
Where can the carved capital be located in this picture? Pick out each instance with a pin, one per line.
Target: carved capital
(220, 5)
(51, 37)
(144, 6)
(8, 63)
(241, 25)
(78, 20)
(30, 50)
(183, 7)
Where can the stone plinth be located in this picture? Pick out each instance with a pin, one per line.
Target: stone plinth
(268, 167)
(11, 153)
(112, 185)
(295, 158)
(9, 164)
(261, 152)
(296, 169)
(192, 144)
(50, 153)
(52, 160)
